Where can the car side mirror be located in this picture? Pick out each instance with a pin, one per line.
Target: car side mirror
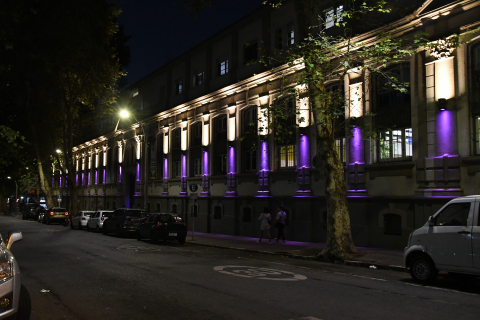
(12, 237)
(430, 221)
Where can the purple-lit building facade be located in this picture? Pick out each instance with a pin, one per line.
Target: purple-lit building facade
(198, 111)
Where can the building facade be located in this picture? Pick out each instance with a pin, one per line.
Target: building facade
(200, 131)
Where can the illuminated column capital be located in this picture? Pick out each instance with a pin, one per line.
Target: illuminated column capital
(356, 100)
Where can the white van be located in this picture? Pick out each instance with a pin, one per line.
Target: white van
(449, 241)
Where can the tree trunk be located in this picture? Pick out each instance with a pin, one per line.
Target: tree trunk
(339, 244)
(44, 184)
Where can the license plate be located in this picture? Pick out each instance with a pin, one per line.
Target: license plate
(172, 234)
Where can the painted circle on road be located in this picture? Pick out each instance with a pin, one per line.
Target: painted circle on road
(260, 273)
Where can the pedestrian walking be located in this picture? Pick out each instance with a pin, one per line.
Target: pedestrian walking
(280, 224)
(265, 220)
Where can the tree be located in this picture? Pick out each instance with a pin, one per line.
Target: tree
(63, 61)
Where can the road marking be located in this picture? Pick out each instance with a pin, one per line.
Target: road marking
(307, 318)
(137, 248)
(259, 273)
(437, 288)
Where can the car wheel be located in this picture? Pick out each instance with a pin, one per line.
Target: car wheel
(118, 231)
(181, 241)
(153, 237)
(24, 305)
(422, 269)
(97, 229)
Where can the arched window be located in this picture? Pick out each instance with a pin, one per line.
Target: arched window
(250, 139)
(220, 145)
(196, 149)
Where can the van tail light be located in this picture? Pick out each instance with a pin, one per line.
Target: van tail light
(51, 213)
(159, 224)
(83, 218)
(66, 213)
(102, 218)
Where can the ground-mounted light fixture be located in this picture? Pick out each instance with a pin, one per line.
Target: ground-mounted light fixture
(441, 104)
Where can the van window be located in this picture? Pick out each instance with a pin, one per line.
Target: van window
(455, 214)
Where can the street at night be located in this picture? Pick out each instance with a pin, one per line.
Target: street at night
(93, 276)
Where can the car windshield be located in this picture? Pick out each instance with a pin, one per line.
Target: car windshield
(88, 214)
(107, 214)
(59, 210)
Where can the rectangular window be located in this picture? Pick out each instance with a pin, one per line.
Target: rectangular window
(291, 35)
(177, 169)
(198, 79)
(250, 52)
(223, 67)
(333, 16)
(288, 156)
(134, 93)
(221, 164)
(279, 39)
(341, 151)
(250, 160)
(395, 145)
(197, 166)
(179, 87)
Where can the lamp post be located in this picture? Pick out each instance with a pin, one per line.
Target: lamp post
(16, 194)
(126, 114)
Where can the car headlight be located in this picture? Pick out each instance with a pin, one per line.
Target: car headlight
(6, 270)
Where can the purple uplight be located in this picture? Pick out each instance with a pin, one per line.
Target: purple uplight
(119, 173)
(205, 163)
(446, 133)
(96, 177)
(76, 179)
(356, 146)
(303, 152)
(184, 165)
(60, 182)
(138, 171)
(264, 156)
(89, 177)
(104, 176)
(165, 168)
(83, 178)
(231, 160)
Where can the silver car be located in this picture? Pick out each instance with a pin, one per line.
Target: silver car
(80, 219)
(14, 297)
(96, 220)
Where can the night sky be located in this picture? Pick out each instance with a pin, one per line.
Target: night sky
(161, 30)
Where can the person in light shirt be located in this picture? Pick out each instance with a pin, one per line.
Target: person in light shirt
(265, 219)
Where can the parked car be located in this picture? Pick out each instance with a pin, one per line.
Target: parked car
(123, 221)
(163, 226)
(449, 241)
(55, 214)
(30, 211)
(80, 219)
(40, 213)
(15, 299)
(96, 220)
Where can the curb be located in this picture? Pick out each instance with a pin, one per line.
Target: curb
(361, 264)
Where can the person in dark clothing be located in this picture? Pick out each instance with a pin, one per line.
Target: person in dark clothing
(281, 220)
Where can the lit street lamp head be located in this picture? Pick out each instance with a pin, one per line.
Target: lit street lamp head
(124, 114)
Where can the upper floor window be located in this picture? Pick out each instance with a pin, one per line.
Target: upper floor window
(388, 95)
(395, 144)
(197, 166)
(220, 125)
(250, 160)
(250, 52)
(288, 156)
(221, 164)
(250, 120)
(177, 169)
(223, 67)
(291, 35)
(134, 93)
(197, 134)
(279, 39)
(341, 150)
(177, 138)
(333, 16)
(179, 87)
(198, 79)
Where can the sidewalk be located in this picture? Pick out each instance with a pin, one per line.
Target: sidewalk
(375, 258)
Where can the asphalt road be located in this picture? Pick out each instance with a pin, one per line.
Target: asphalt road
(92, 276)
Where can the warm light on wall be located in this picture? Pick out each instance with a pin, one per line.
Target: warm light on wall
(165, 143)
(231, 129)
(104, 157)
(83, 163)
(304, 113)
(356, 100)
(184, 139)
(444, 79)
(90, 161)
(120, 154)
(139, 146)
(96, 160)
(263, 99)
(205, 134)
(76, 165)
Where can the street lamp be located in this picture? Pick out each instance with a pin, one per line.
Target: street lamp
(125, 114)
(16, 194)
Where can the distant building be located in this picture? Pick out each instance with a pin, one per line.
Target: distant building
(198, 112)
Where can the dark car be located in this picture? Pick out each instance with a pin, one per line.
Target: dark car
(165, 226)
(55, 214)
(123, 221)
(30, 211)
